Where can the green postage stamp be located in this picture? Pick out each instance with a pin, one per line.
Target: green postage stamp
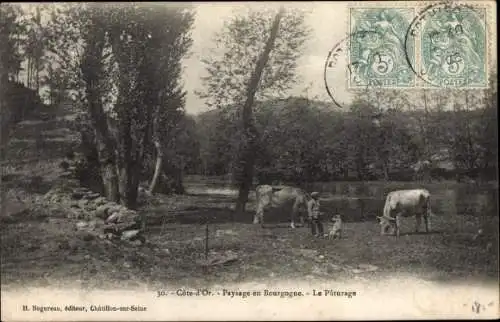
(377, 52)
(454, 48)
(444, 44)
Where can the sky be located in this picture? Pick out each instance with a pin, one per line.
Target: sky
(329, 22)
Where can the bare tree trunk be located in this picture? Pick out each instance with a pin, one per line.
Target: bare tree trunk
(91, 69)
(28, 70)
(247, 158)
(158, 166)
(385, 168)
(128, 183)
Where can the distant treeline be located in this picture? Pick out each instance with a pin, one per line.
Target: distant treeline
(304, 141)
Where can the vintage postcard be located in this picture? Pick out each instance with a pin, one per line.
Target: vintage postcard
(212, 161)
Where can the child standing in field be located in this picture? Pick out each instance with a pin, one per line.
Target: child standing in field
(314, 215)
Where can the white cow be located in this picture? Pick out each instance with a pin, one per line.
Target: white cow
(406, 203)
(269, 197)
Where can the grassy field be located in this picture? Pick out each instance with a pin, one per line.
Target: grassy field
(41, 247)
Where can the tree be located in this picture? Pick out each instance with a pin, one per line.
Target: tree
(488, 132)
(253, 67)
(145, 46)
(170, 43)
(358, 132)
(92, 66)
(10, 61)
(466, 150)
(217, 135)
(391, 137)
(64, 34)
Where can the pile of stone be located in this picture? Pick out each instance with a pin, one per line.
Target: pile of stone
(108, 219)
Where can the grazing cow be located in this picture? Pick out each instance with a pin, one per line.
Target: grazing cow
(406, 203)
(269, 197)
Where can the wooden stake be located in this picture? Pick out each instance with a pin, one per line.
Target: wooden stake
(206, 241)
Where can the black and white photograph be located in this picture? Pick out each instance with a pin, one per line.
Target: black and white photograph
(211, 161)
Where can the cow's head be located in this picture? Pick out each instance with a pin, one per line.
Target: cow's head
(386, 224)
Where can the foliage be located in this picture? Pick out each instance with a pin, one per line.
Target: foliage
(304, 140)
(11, 29)
(239, 45)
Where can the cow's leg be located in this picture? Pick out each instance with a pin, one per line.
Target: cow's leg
(259, 215)
(427, 223)
(294, 211)
(418, 219)
(397, 225)
(427, 217)
(382, 228)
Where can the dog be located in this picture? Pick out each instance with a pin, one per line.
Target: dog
(336, 229)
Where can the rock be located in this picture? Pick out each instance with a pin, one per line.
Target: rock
(130, 234)
(116, 207)
(82, 190)
(81, 225)
(357, 271)
(113, 218)
(100, 201)
(121, 227)
(91, 206)
(110, 229)
(55, 199)
(86, 225)
(66, 175)
(48, 195)
(73, 213)
(83, 203)
(91, 196)
(136, 242)
(77, 195)
(128, 216)
(103, 211)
